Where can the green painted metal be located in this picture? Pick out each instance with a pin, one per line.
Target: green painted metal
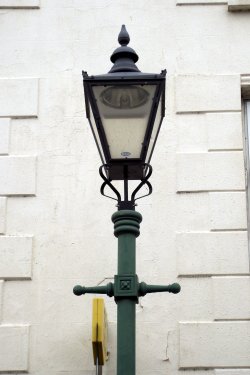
(126, 348)
(108, 289)
(127, 222)
(126, 228)
(126, 288)
(145, 288)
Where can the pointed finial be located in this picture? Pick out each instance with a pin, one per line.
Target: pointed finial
(124, 57)
(123, 37)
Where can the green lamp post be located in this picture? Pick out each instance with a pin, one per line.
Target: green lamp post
(125, 109)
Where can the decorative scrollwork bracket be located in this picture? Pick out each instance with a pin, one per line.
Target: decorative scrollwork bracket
(126, 203)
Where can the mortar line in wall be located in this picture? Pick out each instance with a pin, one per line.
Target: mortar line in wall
(204, 112)
(196, 321)
(19, 235)
(20, 117)
(17, 278)
(224, 149)
(210, 191)
(208, 231)
(202, 3)
(232, 320)
(193, 276)
(203, 321)
(209, 150)
(229, 230)
(212, 368)
(232, 367)
(17, 195)
(19, 7)
(230, 277)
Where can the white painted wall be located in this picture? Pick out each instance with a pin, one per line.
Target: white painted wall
(55, 226)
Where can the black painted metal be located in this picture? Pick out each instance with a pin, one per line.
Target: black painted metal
(143, 182)
(108, 182)
(126, 204)
(124, 72)
(124, 57)
(135, 171)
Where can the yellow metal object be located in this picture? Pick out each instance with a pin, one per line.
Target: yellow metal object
(99, 331)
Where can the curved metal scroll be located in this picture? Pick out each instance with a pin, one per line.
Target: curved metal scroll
(107, 182)
(126, 204)
(144, 181)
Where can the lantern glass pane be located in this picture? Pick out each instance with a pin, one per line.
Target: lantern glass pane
(96, 135)
(157, 123)
(124, 112)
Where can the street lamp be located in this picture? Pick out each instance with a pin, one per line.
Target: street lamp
(125, 109)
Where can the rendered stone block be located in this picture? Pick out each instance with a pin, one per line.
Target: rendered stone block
(231, 297)
(158, 348)
(2, 214)
(212, 253)
(54, 353)
(206, 93)
(192, 132)
(220, 344)
(15, 257)
(197, 297)
(193, 212)
(19, 304)
(228, 210)
(18, 97)
(19, 4)
(238, 5)
(214, 211)
(224, 131)
(209, 131)
(210, 171)
(14, 343)
(18, 175)
(4, 136)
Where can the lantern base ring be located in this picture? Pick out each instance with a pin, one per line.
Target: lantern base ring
(126, 204)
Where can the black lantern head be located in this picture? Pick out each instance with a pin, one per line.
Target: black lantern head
(125, 109)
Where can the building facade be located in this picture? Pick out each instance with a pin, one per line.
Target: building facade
(55, 226)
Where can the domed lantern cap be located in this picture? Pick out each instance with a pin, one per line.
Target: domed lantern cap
(125, 109)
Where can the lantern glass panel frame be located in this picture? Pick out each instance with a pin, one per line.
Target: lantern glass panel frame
(155, 108)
